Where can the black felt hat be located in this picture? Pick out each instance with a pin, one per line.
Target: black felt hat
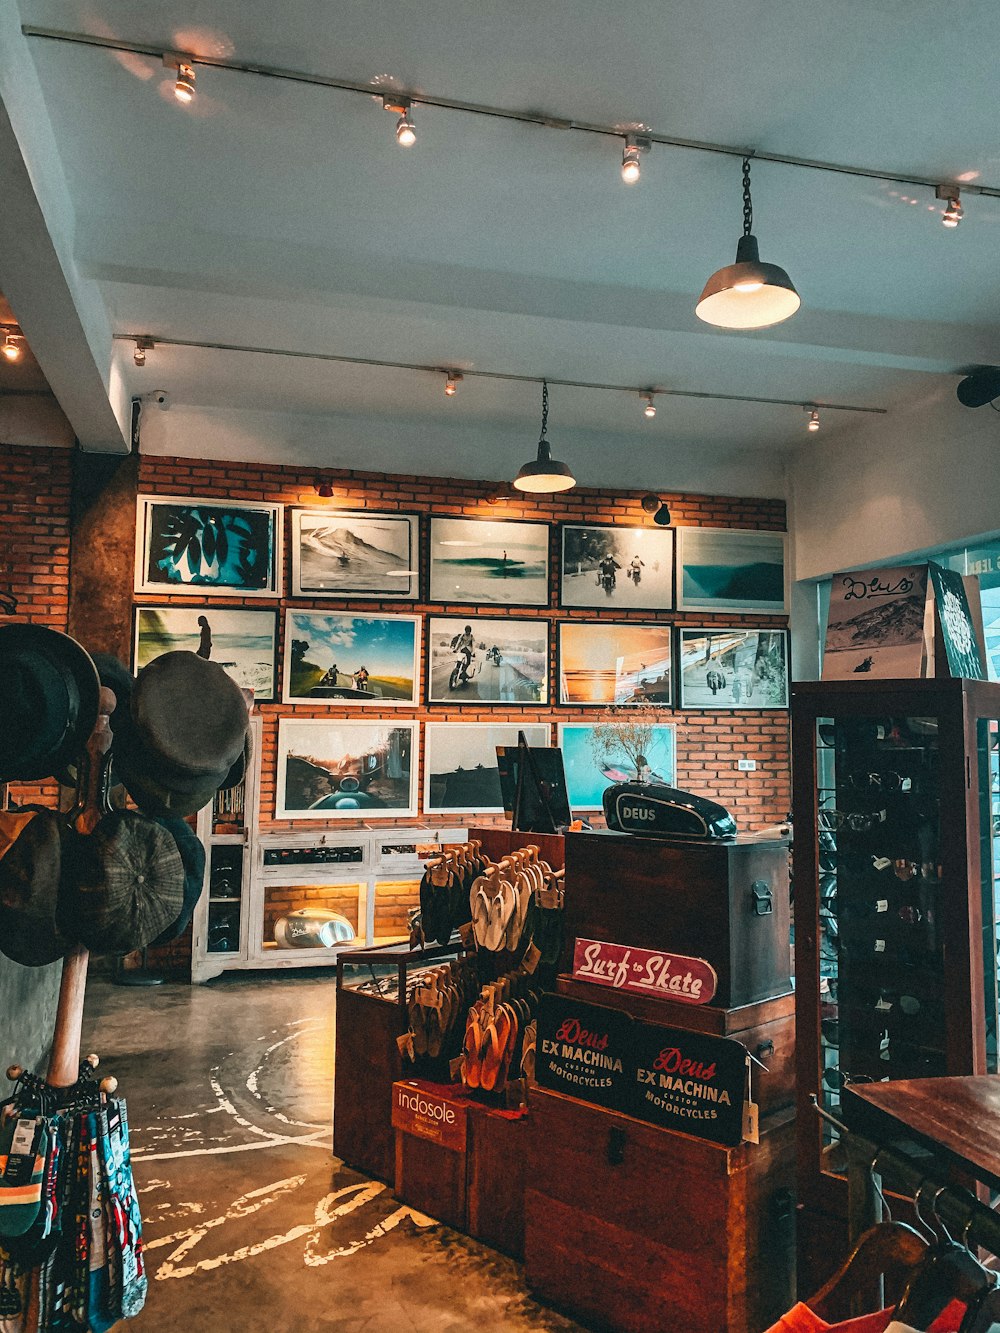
(49, 689)
(116, 677)
(192, 851)
(33, 843)
(185, 735)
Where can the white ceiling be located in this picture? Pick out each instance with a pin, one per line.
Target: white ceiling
(280, 215)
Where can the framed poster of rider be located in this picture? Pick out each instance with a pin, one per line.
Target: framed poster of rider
(346, 770)
(615, 567)
(735, 667)
(489, 562)
(487, 660)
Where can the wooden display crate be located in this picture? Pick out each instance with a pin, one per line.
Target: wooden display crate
(431, 1124)
(498, 1144)
(638, 1229)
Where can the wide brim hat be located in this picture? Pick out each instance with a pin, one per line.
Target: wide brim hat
(32, 861)
(192, 852)
(125, 885)
(49, 689)
(186, 735)
(115, 676)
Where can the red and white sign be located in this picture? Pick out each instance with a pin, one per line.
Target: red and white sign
(419, 1109)
(671, 976)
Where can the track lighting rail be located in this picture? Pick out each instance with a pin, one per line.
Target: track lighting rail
(499, 113)
(155, 340)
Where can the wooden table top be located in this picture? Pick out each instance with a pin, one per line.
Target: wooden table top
(957, 1116)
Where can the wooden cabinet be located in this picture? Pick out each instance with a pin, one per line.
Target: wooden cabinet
(726, 902)
(640, 1229)
(896, 788)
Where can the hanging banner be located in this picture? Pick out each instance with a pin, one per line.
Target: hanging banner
(670, 976)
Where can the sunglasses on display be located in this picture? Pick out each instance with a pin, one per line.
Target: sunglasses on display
(879, 781)
(852, 819)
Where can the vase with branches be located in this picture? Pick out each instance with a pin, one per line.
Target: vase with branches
(625, 732)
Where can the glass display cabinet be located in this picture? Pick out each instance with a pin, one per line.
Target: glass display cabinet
(896, 796)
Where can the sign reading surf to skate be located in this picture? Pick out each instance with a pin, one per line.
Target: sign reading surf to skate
(671, 976)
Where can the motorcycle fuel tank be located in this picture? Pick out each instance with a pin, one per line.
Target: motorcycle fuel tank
(665, 812)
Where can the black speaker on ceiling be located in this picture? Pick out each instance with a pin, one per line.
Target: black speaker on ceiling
(979, 388)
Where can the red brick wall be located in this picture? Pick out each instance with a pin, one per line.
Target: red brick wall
(34, 549)
(708, 743)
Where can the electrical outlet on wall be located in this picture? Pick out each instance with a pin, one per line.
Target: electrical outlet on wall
(746, 765)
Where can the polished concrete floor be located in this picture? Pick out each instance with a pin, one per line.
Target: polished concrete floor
(250, 1223)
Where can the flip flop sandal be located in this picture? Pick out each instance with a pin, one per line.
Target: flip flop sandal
(471, 1048)
(499, 917)
(528, 1053)
(483, 884)
(512, 1043)
(494, 1044)
(508, 893)
(435, 1036)
(417, 1027)
(481, 917)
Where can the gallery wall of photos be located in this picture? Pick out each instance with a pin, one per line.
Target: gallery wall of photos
(395, 634)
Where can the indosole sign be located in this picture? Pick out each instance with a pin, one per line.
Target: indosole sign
(422, 1110)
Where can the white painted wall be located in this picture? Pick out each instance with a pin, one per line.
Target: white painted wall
(924, 477)
(431, 447)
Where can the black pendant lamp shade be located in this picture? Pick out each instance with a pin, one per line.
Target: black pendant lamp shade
(748, 294)
(544, 474)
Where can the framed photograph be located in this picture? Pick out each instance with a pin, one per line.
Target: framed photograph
(731, 569)
(460, 763)
(341, 554)
(346, 770)
(207, 547)
(734, 668)
(488, 562)
(244, 643)
(587, 780)
(601, 663)
(616, 568)
(875, 626)
(336, 658)
(481, 660)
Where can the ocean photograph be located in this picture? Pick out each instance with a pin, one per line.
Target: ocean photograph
(614, 663)
(242, 642)
(340, 554)
(482, 562)
(728, 569)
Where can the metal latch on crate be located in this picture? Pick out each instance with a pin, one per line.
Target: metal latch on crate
(760, 893)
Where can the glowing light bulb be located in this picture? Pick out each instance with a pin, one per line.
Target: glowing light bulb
(406, 134)
(12, 347)
(953, 213)
(451, 383)
(748, 286)
(184, 87)
(631, 169)
(139, 355)
(813, 420)
(650, 409)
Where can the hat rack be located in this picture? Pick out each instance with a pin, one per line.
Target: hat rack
(64, 1057)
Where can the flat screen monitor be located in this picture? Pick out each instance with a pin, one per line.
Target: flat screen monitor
(544, 800)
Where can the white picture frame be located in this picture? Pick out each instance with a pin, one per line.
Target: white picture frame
(749, 675)
(350, 555)
(488, 562)
(447, 743)
(732, 571)
(178, 551)
(386, 646)
(330, 750)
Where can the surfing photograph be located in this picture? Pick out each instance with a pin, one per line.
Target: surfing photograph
(336, 658)
(482, 561)
(341, 554)
(242, 642)
(729, 569)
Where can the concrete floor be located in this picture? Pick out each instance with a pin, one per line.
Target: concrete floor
(250, 1223)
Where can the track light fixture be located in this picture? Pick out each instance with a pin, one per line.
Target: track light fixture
(747, 294)
(813, 423)
(634, 145)
(184, 85)
(324, 489)
(12, 346)
(406, 133)
(451, 382)
(544, 475)
(650, 409)
(142, 346)
(953, 212)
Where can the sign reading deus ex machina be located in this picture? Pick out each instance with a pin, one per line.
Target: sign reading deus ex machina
(686, 1081)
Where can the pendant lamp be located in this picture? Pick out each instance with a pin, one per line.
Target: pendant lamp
(747, 294)
(544, 474)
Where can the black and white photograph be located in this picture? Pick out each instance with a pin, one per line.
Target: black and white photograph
(346, 770)
(489, 562)
(608, 663)
(460, 763)
(207, 547)
(242, 642)
(734, 668)
(341, 554)
(731, 569)
(875, 627)
(340, 659)
(486, 660)
(616, 567)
